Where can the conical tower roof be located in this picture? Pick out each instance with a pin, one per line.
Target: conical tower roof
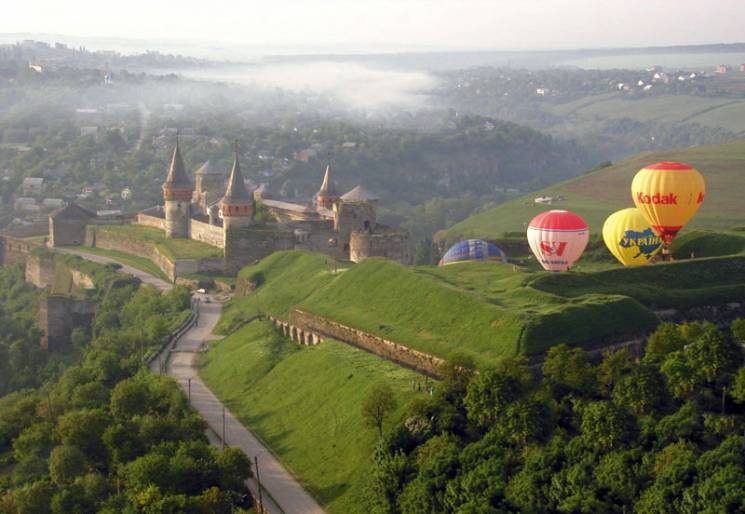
(236, 191)
(207, 169)
(177, 178)
(359, 194)
(328, 188)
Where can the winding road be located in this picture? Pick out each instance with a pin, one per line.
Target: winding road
(285, 494)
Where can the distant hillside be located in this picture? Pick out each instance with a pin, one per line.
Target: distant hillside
(597, 194)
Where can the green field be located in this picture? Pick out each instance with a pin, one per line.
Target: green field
(305, 402)
(172, 248)
(709, 111)
(596, 195)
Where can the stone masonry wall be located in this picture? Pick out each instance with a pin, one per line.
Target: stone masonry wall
(313, 324)
(249, 244)
(151, 221)
(106, 241)
(206, 233)
(14, 250)
(40, 270)
(59, 315)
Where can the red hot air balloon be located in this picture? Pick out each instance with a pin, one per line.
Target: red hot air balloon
(558, 239)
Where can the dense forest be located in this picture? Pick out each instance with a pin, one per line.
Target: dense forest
(22, 362)
(660, 432)
(108, 436)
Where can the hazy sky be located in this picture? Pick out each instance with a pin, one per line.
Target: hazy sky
(367, 25)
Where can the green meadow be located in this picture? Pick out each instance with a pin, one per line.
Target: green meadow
(305, 402)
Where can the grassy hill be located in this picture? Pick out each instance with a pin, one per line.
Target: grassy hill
(597, 194)
(491, 310)
(305, 402)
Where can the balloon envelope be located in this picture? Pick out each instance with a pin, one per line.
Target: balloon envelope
(472, 250)
(630, 238)
(558, 239)
(668, 194)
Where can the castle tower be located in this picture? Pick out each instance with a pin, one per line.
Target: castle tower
(355, 211)
(237, 206)
(209, 186)
(326, 196)
(177, 193)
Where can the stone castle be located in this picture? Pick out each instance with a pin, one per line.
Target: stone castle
(342, 226)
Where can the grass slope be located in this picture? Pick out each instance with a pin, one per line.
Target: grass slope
(293, 275)
(305, 403)
(596, 195)
(486, 310)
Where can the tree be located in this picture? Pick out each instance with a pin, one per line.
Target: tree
(490, 394)
(664, 340)
(738, 388)
(377, 405)
(426, 252)
(642, 390)
(456, 373)
(569, 371)
(606, 426)
(66, 463)
(738, 330)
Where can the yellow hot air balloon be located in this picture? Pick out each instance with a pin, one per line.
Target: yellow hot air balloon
(668, 194)
(630, 238)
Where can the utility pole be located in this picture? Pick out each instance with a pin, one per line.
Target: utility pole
(258, 481)
(223, 428)
(189, 388)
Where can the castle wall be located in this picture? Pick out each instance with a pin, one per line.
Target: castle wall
(141, 249)
(310, 323)
(250, 244)
(206, 233)
(40, 270)
(59, 315)
(14, 250)
(390, 244)
(151, 221)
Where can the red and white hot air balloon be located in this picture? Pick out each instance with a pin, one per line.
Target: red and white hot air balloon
(558, 239)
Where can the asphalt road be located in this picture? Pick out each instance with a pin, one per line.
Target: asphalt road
(275, 479)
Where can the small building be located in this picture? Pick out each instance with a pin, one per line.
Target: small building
(32, 186)
(723, 68)
(67, 225)
(742, 68)
(89, 131)
(543, 200)
(25, 203)
(52, 203)
(126, 194)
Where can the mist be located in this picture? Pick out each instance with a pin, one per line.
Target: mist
(355, 86)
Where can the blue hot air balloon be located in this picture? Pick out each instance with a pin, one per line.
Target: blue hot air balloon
(472, 250)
